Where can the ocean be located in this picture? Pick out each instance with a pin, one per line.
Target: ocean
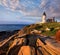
(11, 27)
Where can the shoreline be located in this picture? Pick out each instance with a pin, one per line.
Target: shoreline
(7, 34)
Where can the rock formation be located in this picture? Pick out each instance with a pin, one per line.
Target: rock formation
(58, 35)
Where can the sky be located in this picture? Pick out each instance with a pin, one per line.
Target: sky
(27, 11)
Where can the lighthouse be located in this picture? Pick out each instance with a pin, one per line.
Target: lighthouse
(44, 18)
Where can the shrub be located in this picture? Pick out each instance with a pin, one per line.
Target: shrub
(38, 27)
(51, 29)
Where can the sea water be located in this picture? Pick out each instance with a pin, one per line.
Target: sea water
(11, 27)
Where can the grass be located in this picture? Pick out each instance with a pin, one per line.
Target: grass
(49, 33)
(42, 27)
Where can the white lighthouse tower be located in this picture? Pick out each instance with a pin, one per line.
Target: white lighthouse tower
(44, 18)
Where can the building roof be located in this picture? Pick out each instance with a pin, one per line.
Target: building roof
(44, 13)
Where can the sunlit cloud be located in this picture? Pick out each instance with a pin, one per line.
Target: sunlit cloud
(33, 7)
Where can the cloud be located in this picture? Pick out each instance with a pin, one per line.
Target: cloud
(33, 7)
(53, 9)
(0, 2)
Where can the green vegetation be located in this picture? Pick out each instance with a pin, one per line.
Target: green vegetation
(48, 29)
(49, 33)
(53, 27)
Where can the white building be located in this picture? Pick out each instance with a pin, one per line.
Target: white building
(43, 18)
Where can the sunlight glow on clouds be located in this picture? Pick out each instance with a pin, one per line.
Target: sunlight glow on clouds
(33, 7)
